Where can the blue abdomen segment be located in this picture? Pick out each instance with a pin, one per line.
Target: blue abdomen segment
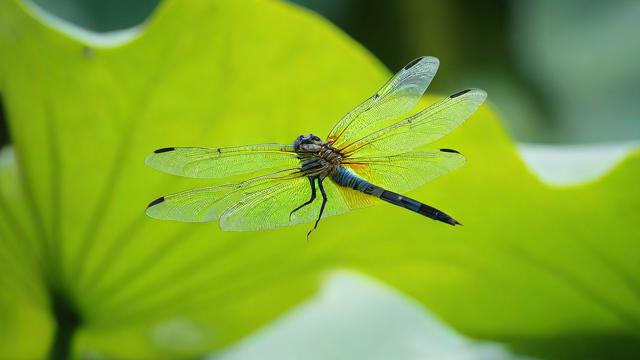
(347, 178)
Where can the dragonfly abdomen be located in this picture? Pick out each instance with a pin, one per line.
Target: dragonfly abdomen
(345, 177)
(417, 206)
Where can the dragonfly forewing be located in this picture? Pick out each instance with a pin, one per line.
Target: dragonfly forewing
(197, 162)
(396, 98)
(422, 128)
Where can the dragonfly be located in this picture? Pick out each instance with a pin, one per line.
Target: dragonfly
(373, 154)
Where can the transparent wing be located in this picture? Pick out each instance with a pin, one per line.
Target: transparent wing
(405, 172)
(208, 163)
(209, 203)
(422, 128)
(269, 208)
(396, 98)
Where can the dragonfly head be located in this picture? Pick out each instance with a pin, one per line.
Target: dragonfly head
(308, 143)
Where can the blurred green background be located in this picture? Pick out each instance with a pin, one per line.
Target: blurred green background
(538, 271)
(559, 72)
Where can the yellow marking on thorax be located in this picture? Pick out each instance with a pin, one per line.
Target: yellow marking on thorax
(356, 166)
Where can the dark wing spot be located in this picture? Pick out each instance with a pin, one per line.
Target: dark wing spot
(459, 93)
(376, 96)
(450, 151)
(219, 151)
(164, 150)
(410, 65)
(156, 202)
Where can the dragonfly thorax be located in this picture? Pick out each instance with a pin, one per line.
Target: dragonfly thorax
(317, 158)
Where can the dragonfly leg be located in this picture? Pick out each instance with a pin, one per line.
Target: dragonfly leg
(313, 197)
(324, 202)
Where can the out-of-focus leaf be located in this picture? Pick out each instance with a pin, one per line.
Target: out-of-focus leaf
(388, 326)
(99, 15)
(549, 270)
(590, 91)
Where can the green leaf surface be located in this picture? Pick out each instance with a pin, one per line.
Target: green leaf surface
(552, 271)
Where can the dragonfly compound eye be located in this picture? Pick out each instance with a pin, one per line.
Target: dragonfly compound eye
(298, 141)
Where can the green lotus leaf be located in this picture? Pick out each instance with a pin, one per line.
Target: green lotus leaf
(552, 271)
